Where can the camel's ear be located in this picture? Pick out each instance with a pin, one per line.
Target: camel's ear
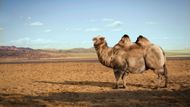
(93, 39)
(102, 38)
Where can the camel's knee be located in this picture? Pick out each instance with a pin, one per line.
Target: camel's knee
(159, 71)
(117, 75)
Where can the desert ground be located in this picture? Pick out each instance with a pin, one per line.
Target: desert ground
(85, 83)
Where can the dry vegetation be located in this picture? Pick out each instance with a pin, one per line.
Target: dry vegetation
(89, 84)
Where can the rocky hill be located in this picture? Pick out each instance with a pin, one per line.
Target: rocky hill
(22, 52)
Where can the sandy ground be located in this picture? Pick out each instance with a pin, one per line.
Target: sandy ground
(71, 84)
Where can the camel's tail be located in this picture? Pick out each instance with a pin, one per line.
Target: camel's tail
(165, 74)
(163, 54)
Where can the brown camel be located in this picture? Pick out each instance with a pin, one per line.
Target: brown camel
(125, 61)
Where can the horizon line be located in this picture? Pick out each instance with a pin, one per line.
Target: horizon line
(76, 48)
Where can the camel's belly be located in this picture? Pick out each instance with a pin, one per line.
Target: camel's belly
(137, 69)
(136, 65)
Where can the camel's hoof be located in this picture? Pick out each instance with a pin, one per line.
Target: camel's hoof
(161, 86)
(115, 87)
(165, 86)
(158, 87)
(155, 87)
(123, 87)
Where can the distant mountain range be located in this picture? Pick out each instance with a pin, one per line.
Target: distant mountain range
(13, 51)
(13, 48)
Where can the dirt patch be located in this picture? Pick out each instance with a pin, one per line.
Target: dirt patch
(90, 84)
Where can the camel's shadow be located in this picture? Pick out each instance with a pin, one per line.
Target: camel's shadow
(97, 83)
(119, 98)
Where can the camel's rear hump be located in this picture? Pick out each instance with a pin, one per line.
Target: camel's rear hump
(155, 57)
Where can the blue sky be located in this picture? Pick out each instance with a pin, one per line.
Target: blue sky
(64, 24)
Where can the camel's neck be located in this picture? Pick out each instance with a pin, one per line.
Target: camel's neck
(104, 55)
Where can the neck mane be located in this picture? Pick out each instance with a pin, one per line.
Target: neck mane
(104, 54)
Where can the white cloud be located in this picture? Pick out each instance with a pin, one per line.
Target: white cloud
(25, 18)
(151, 23)
(107, 19)
(29, 42)
(41, 41)
(36, 24)
(47, 30)
(115, 24)
(29, 17)
(47, 43)
(92, 29)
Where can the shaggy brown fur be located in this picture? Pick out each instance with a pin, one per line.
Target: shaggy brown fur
(154, 56)
(125, 41)
(126, 44)
(142, 41)
(130, 59)
(103, 51)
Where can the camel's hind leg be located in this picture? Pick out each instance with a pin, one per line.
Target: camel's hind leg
(165, 75)
(162, 73)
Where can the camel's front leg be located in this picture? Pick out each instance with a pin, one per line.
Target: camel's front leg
(117, 74)
(124, 76)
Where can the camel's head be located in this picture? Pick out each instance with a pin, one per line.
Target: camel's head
(141, 40)
(125, 40)
(99, 40)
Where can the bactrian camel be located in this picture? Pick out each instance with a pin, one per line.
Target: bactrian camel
(127, 57)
